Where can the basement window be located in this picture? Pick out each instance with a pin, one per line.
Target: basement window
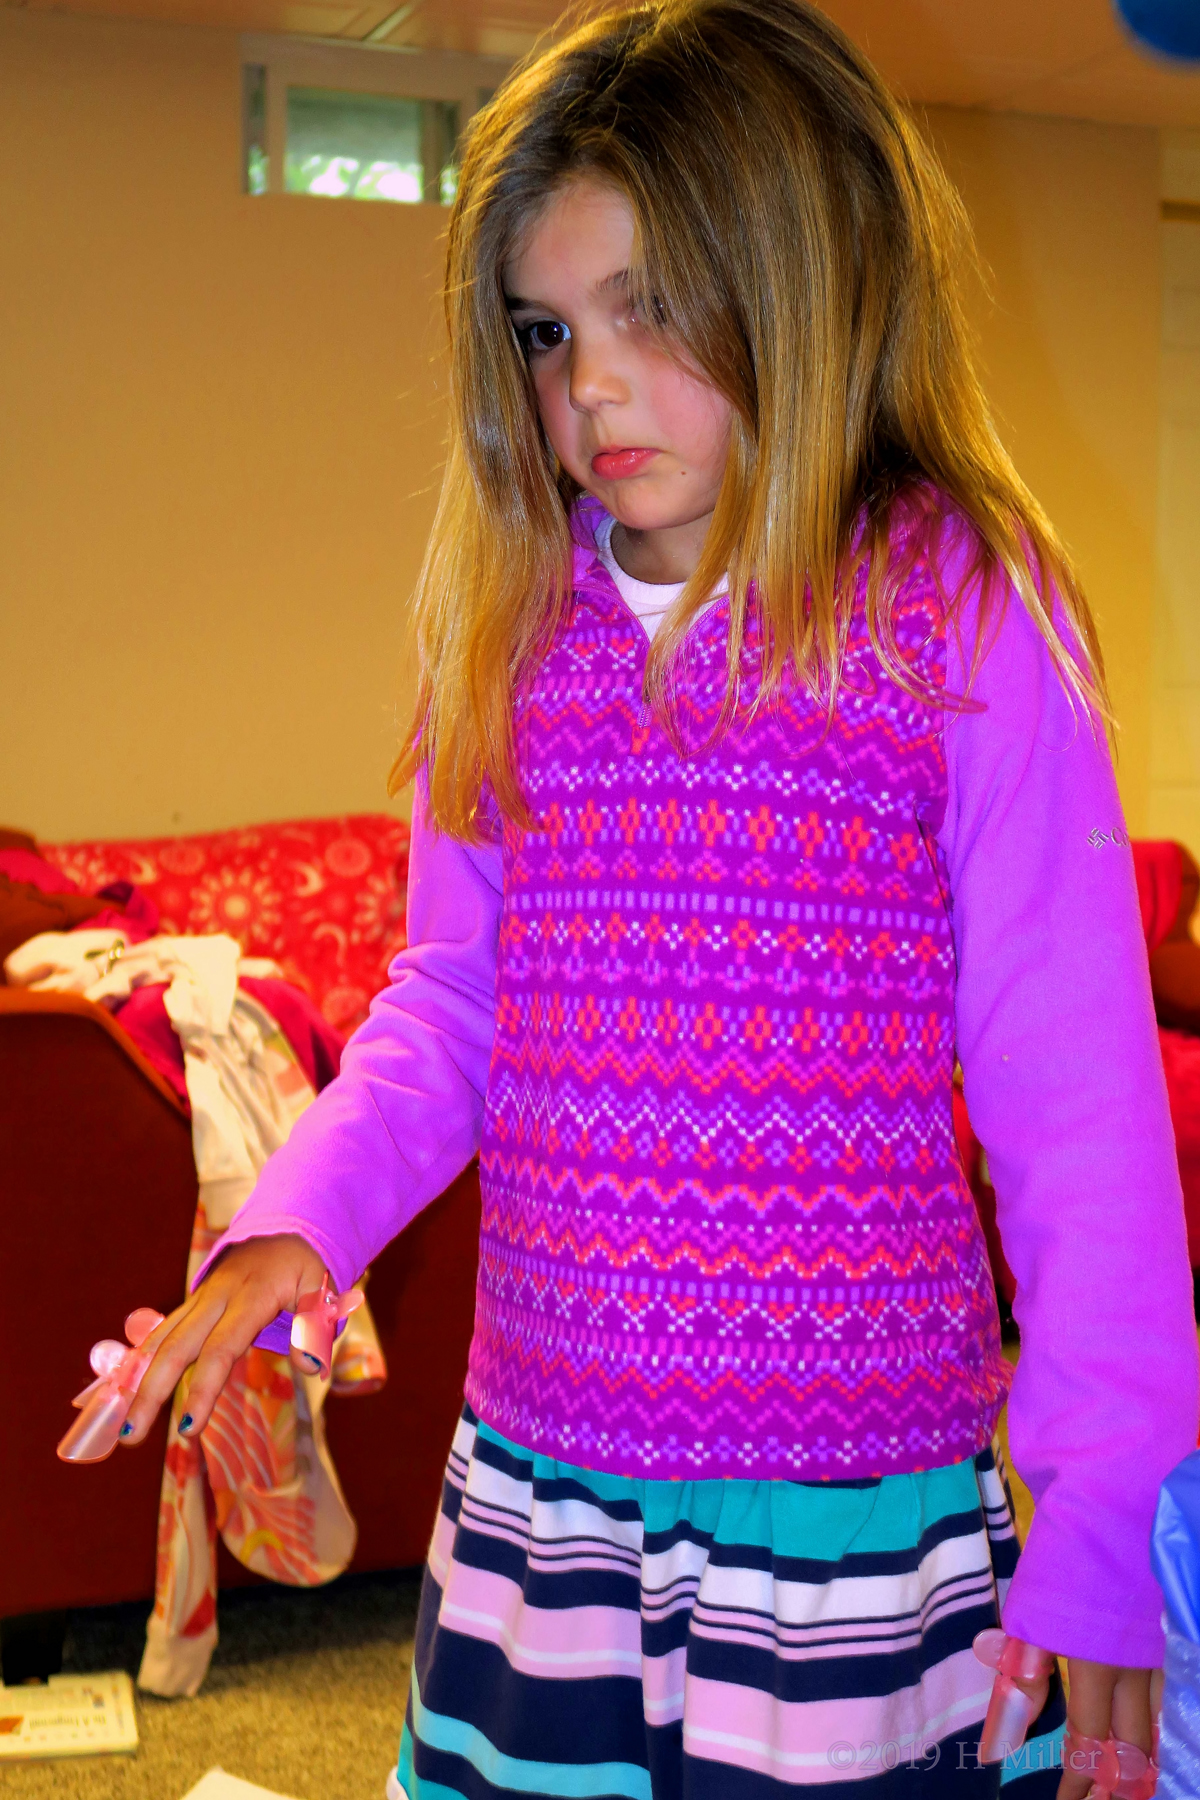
(358, 121)
(254, 129)
(356, 146)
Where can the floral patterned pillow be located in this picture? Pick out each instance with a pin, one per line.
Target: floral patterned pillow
(323, 897)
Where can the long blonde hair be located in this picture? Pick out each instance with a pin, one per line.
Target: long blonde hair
(798, 241)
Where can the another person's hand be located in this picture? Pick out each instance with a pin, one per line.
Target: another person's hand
(218, 1323)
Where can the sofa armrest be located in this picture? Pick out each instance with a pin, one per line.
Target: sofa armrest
(18, 1001)
(97, 1207)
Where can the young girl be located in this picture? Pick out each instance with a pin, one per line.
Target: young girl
(760, 770)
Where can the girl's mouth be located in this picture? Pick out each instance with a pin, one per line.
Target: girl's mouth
(614, 465)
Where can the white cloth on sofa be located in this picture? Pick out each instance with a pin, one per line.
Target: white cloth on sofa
(246, 1089)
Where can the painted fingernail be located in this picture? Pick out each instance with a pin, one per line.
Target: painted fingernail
(185, 1424)
(127, 1429)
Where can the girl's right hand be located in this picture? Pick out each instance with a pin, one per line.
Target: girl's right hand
(218, 1323)
(1105, 1702)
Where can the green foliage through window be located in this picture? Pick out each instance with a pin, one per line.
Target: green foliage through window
(254, 127)
(354, 146)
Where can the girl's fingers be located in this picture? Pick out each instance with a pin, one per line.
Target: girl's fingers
(218, 1323)
(239, 1327)
(183, 1337)
(1090, 1704)
(1104, 1702)
(1131, 1708)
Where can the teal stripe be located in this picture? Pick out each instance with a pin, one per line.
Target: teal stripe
(421, 1790)
(792, 1519)
(404, 1768)
(562, 1781)
(1045, 1752)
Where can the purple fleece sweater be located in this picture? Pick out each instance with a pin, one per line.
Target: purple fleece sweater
(701, 1028)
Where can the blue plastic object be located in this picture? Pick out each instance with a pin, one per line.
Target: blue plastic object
(1171, 27)
(1175, 1547)
(1175, 1557)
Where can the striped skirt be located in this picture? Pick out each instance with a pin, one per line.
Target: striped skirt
(589, 1636)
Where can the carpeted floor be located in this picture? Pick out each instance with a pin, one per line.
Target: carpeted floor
(306, 1696)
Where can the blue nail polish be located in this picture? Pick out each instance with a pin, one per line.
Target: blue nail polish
(185, 1424)
(127, 1429)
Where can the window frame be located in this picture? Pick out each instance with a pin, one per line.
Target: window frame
(463, 79)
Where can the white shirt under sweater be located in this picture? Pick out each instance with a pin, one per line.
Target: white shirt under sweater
(648, 601)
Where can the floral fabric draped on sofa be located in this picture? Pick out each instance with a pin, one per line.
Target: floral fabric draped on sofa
(324, 898)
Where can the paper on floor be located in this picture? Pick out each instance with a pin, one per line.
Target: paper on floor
(217, 1785)
(73, 1715)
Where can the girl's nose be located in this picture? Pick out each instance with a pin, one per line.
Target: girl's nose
(596, 380)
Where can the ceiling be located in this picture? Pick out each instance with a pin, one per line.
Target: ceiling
(1048, 56)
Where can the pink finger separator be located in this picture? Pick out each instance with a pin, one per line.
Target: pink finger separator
(306, 1337)
(1011, 1711)
(1117, 1769)
(316, 1322)
(104, 1405)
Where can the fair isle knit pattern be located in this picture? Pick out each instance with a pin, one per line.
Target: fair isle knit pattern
(725, 1228)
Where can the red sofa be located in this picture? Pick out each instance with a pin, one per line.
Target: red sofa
(98, 1191)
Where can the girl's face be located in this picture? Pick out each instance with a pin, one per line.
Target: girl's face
(634, 426)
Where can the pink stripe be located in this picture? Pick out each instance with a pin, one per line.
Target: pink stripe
(664, 1679)
(829, 1740)
(441, 1548)
(795, 1640)
(601, 1565)
(655, 1614)
(552, 1553)
(852, 1636)
(569, 1644)
(547, 1559)
(812, 1652)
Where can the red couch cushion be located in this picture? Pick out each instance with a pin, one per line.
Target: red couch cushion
(323, 897)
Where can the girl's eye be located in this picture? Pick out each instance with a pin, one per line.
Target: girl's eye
(543, 335)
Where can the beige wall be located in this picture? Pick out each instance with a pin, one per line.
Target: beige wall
(1175, 761)
(1066, 215)
(220, 430)
(221, 427)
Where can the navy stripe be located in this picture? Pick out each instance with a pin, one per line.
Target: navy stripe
(595, 1720)
(821, 1570)
(860, 1481)
(554, 1589)
(425, 1637)
(661, 1636)
(860, 1674)
(657, 1543)
(452, 1499)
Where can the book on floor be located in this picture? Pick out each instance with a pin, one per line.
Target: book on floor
(73, 1715)
(217, 1785)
